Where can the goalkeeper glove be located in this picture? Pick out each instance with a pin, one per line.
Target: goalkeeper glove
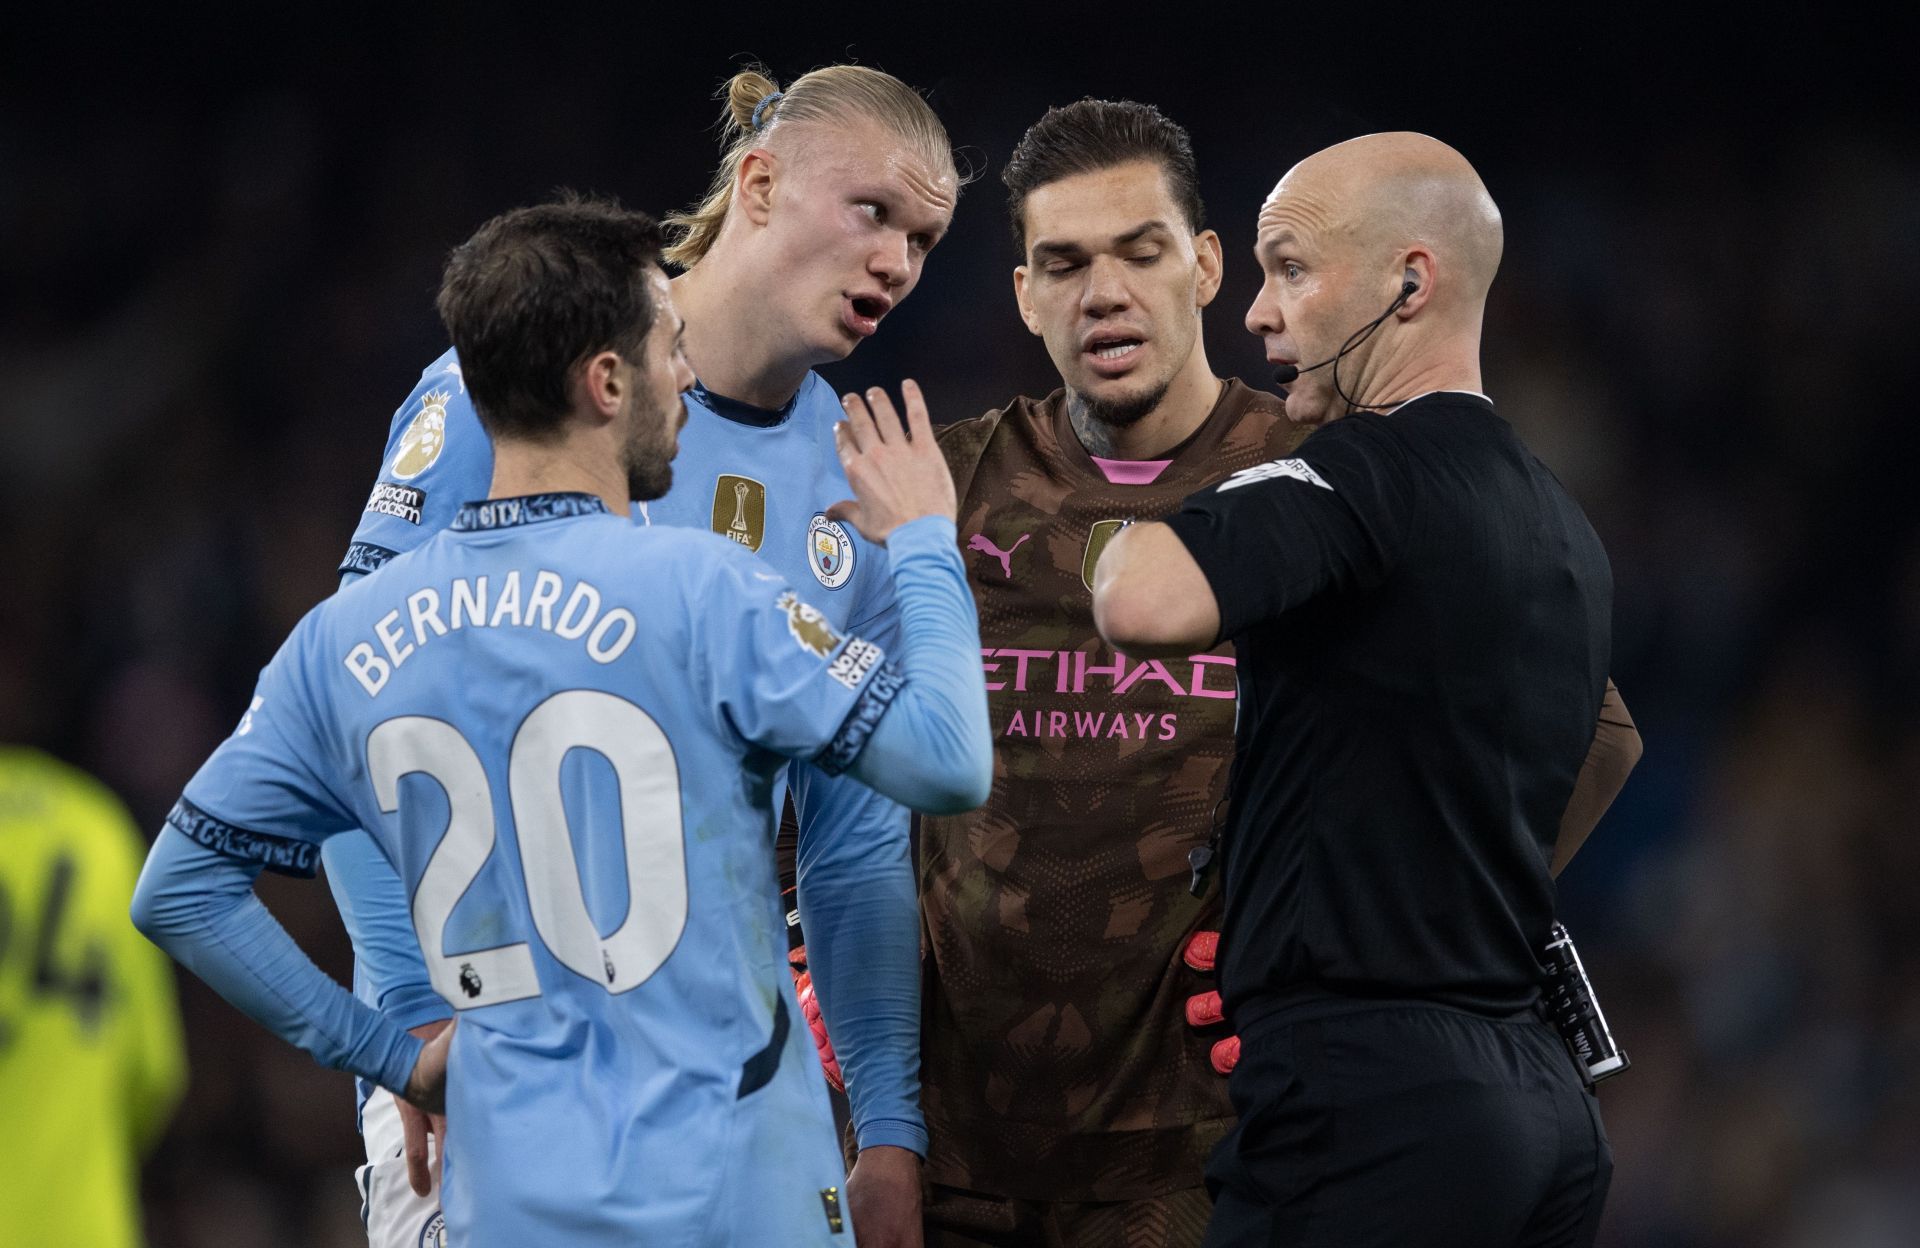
(810, 1010)
(809, 1000)
(1204, 1010)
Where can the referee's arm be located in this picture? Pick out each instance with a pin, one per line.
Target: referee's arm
(1150, 599)
(1265, 540)
(1149, 596)
(1610, 759)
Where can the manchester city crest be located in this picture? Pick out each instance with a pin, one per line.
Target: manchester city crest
(829, 551)
(421, 444)
(434, 1233)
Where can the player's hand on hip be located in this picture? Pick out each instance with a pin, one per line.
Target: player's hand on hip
(883, 1197)
(1205, 1012)
(417, 1126)
(897, 474)
(427, 1085)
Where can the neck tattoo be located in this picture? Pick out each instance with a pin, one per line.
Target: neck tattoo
(1100, 435)
(1096, 436)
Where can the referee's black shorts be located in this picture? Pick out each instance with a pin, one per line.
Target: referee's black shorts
(1407, 1125)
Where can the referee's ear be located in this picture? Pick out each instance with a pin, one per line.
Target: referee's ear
(1417, 267)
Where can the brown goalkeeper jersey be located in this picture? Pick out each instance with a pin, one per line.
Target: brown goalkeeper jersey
(1056, 1060)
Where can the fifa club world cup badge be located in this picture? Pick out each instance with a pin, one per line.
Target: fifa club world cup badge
(829, 551)
(740, 510)
(421, 444)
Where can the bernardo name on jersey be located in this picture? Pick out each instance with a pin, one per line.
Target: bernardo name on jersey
(607, 635)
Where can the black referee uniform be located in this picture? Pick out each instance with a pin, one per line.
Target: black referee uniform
(1421, 616)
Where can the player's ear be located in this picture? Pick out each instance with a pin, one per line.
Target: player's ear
(599, 385)
(1207, 254)
(1020, 297)
(753, 185)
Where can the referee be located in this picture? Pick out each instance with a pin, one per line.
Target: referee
(1421, 615)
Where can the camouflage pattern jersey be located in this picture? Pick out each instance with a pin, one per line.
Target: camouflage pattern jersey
(1056, 1061)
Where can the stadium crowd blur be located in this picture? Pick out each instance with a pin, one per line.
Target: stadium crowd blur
(219, 286)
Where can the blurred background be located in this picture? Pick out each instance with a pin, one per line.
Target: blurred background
(219, 243)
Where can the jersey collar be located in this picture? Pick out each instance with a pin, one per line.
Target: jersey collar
(741, 413)
(1193, 453)
(1471, 394)
(506, 513)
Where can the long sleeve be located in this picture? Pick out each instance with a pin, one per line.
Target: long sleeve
(198, 905)
(861, 915)
(379, 922)
(932, 746)
(155, 1075)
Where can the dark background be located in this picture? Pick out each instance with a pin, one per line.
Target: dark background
(219, 242)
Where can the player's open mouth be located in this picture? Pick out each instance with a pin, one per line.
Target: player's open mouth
(1114, 356)
(861, 313)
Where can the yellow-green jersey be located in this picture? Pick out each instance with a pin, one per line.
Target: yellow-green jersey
(91, 1062)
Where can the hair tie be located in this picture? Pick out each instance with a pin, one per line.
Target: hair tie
(761, 107)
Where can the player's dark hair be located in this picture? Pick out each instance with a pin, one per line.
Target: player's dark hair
(537, 290)
(1091, 135)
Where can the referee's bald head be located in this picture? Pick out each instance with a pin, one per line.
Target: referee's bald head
(1389, 191)
(1343, 234)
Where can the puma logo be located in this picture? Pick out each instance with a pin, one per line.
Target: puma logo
(980, 541)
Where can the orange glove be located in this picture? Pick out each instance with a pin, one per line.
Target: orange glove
(810, 1010)
(1204, 1011)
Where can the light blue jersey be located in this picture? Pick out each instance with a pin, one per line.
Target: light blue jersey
(563, 734)
(780, 513)
(763, 480)
(437, 458)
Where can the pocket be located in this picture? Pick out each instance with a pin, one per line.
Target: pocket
(1286, 1120)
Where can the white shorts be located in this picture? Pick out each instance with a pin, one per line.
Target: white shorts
(395, 1217)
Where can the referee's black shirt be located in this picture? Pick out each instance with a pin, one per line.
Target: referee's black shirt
(1422, 620)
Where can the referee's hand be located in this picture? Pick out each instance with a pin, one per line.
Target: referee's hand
(897, 474)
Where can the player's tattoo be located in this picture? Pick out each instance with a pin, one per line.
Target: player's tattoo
(1095, 422)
